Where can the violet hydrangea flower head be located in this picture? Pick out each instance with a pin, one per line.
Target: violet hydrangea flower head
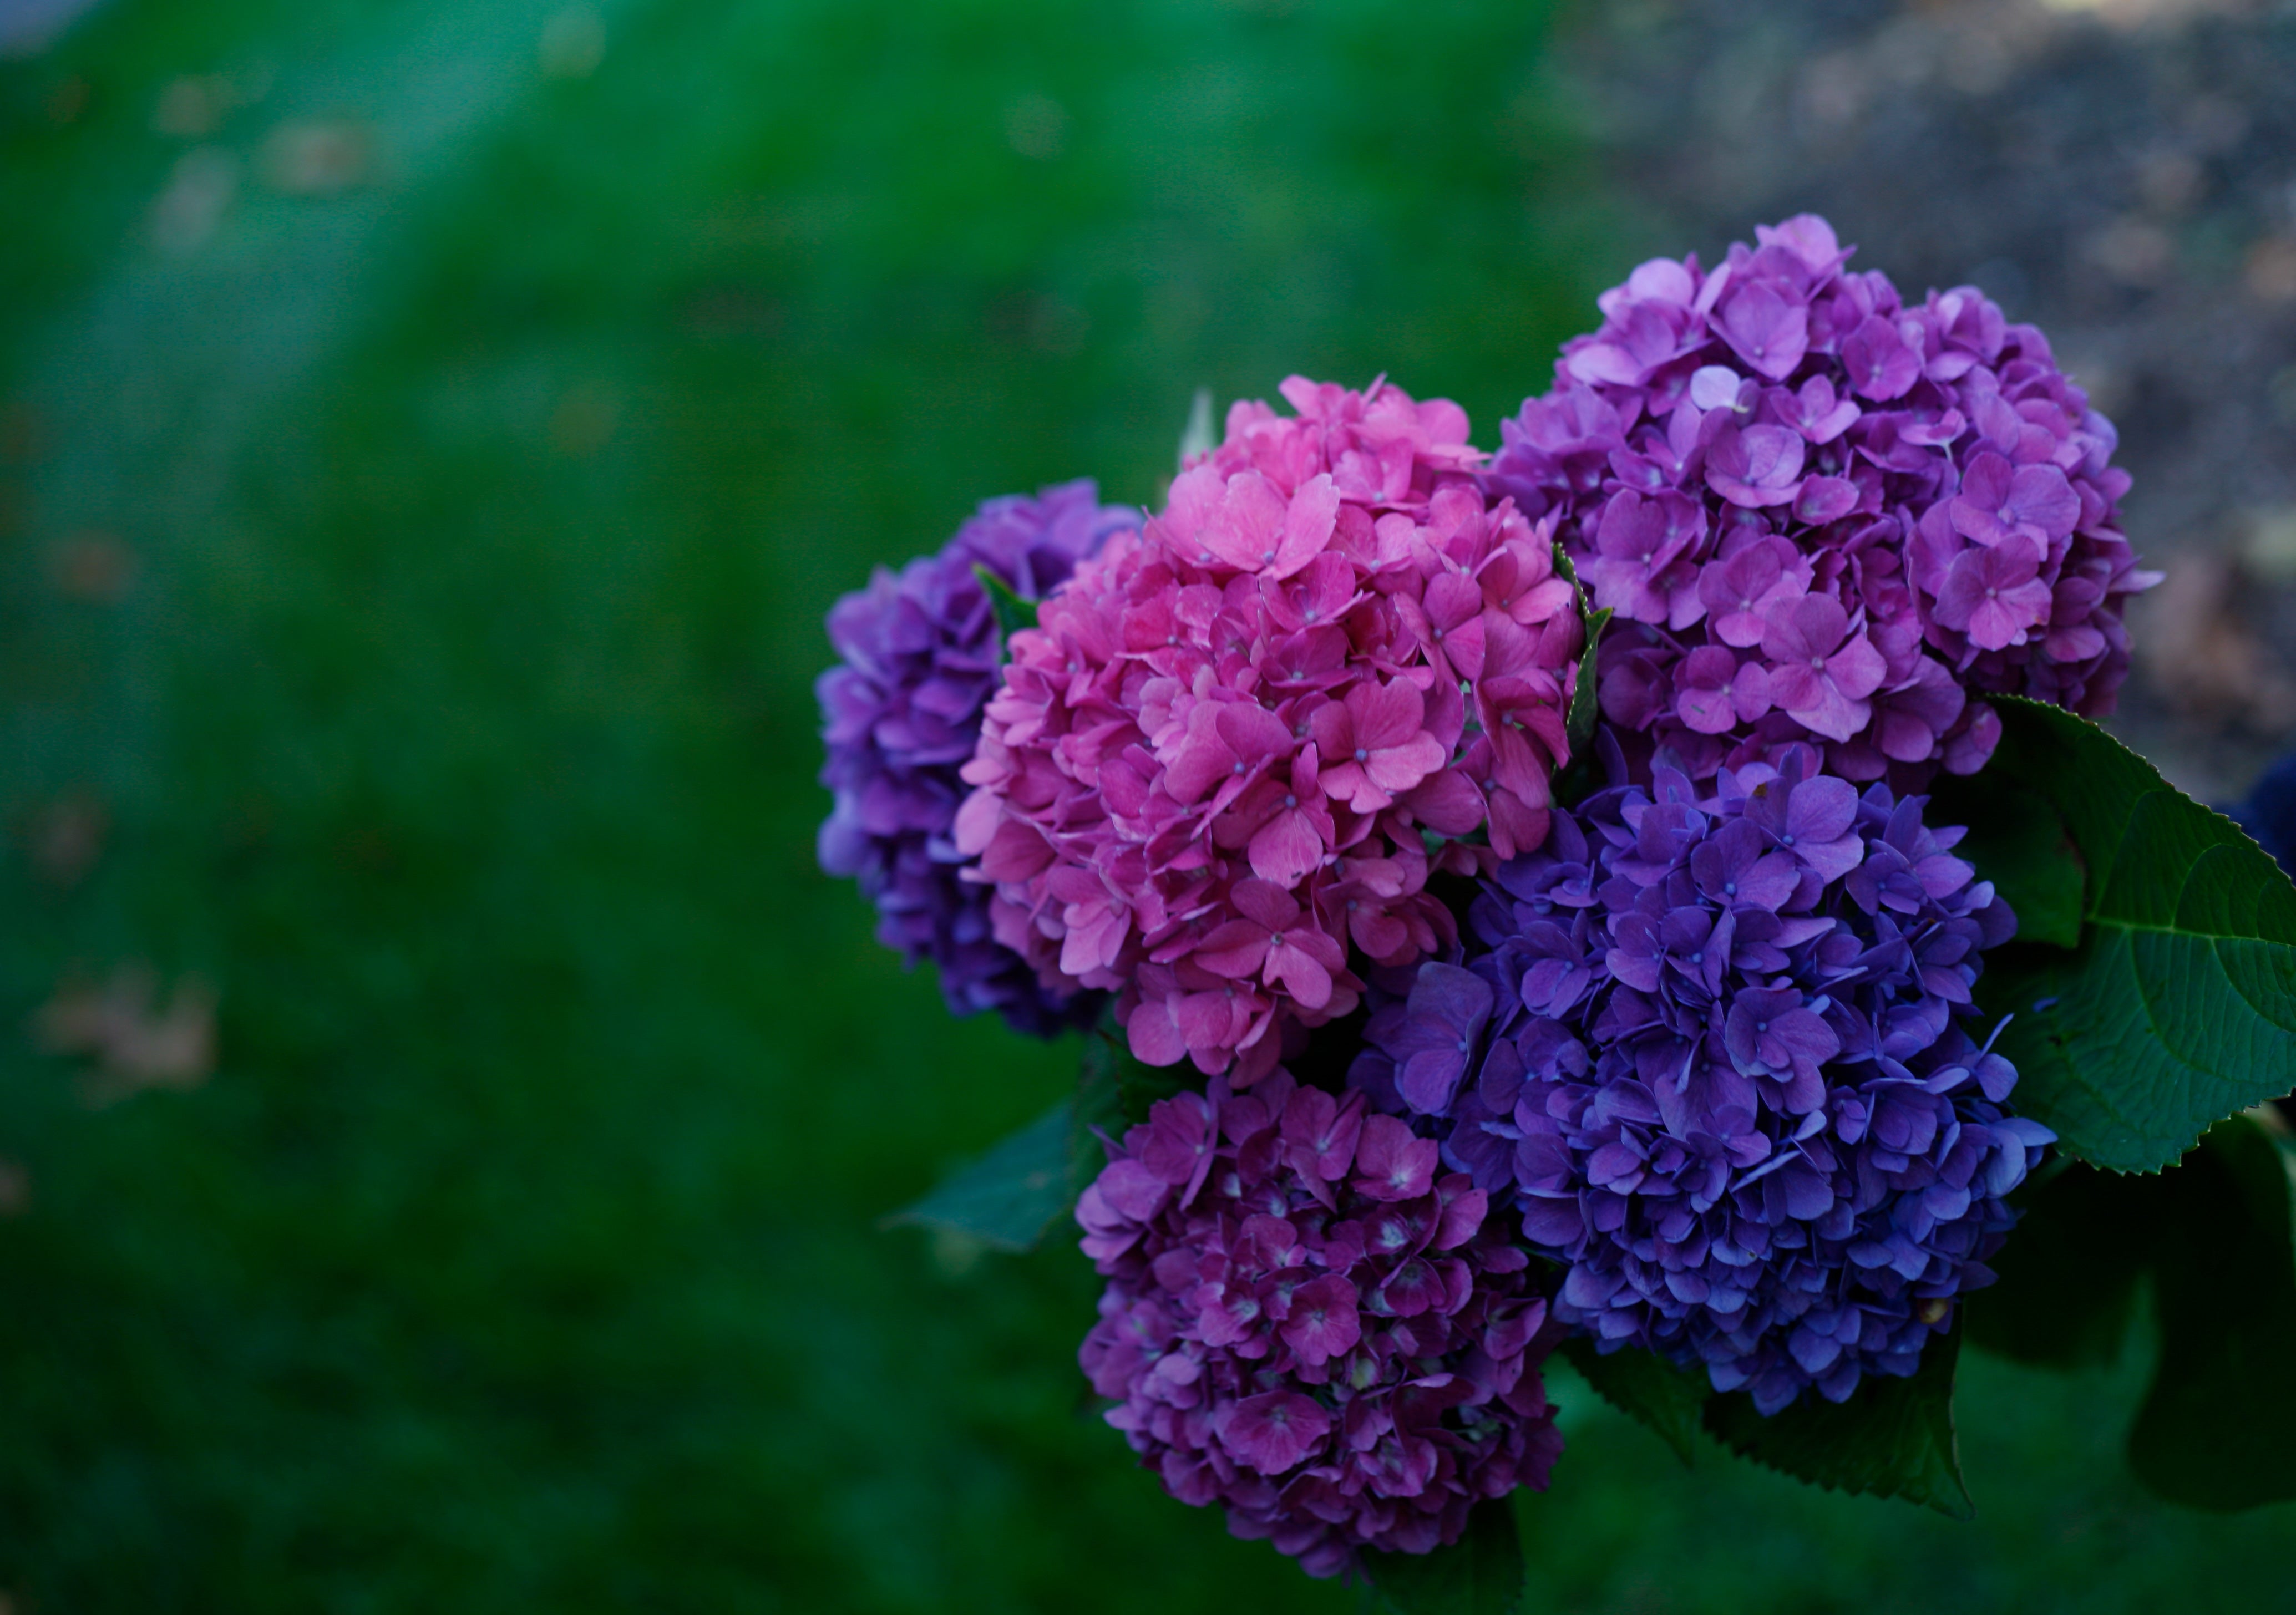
(1715, 1048)
(1310, 1322)
(900, 716)
(1825, 514)
(1206, 781)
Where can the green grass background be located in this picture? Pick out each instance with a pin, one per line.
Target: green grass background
(522, 1251)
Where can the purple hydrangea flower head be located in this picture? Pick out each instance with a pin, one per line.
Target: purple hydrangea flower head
(1826, 515)
(1716, 1050)
(1310, 1322)
(901, 715)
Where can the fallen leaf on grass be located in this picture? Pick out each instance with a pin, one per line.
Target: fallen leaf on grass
(186, 214)
(319, 159)
(195, 105)
(135, 1044)
(23, 433)
(573, 43)
(95, 569)
(64, 838)
(585, 419)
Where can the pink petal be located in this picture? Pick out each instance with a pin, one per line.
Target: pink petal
(1153, 1035)
(1350, 783)
(1383, 715)
(1394, 768)
(1307, 526)
(1286, 849)
(1246, 528)
(1447, 803)
(1308, 981)
(977, 821)
(1234, 950)
(1379, 933)
(1252, 731)
(1264, 902)
(1452, 599)
(1018, 850)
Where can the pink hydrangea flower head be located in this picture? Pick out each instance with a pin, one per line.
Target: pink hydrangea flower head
(1222, 766)
(1309, 1321)
(1748, 462)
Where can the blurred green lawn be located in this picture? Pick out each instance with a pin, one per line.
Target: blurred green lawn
(484, 492)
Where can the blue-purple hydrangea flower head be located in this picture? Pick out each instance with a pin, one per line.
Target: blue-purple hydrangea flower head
(1309, 1320)
(1716, 1049)
(901, 713)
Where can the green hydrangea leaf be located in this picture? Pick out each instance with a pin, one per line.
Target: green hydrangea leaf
(2018, 842)
(1011, 1195)
(2218, 1430)
(1008, 1198)
(2212, 1235)
(1480, 1574)
(1893, 1437)
(1579, 775)
(1013, 612)
(2179, 1008)
(1113, 1093)
(2068, 1277)
(1647, 1388)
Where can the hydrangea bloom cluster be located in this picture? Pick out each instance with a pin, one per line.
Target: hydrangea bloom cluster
(1207, 773)
(901, 713)
(1308, 1322)
(1716, 1047)
(1826, 515)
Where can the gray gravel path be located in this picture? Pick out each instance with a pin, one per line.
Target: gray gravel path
(2121, 172)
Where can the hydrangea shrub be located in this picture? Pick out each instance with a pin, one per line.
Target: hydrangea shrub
(1715, 1048)
(1826, 514)
(1308, 1322)
(1208, 781)
(918, 657)
(1708, 1069)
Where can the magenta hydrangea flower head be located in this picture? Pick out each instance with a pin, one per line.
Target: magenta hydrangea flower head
(900, 716)
(1824, 515)
(1210, 780)
(1716, 1049)
(1310, 1322)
